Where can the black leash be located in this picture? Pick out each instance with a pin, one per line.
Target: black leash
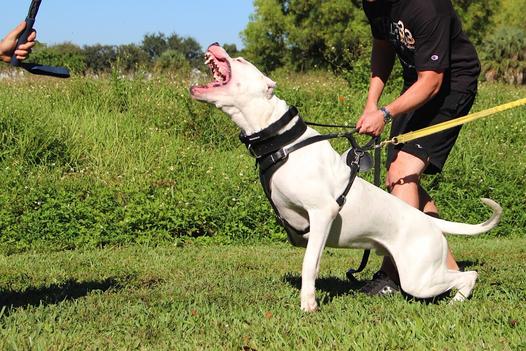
(366, 253)
(377, 179)
(34, 68)
(328, 125)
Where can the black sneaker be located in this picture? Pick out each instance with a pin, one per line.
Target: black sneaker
(380, 285)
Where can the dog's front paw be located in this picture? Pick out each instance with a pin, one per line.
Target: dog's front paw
(308, 303)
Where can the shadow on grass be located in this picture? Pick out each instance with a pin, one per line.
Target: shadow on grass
(55, 293)
(334, 287)
(429, 301)
(331, 286)
(469, 264)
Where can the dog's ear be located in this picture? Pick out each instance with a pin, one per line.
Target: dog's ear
(270, 87)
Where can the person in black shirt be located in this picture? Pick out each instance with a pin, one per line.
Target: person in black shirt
(440, 71)
(8, 44)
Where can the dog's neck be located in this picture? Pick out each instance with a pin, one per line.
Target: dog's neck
(258, 115)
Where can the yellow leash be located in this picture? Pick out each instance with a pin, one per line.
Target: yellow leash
(403, 138)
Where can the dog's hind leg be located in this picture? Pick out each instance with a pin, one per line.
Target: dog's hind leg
(320, 223)
(426, 275)
(462, 281)
(466, 285)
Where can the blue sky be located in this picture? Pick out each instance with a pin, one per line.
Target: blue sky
(126, 21)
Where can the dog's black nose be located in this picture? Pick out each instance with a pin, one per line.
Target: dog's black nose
(214, 44)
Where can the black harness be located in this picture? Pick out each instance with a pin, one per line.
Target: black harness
(271, 151)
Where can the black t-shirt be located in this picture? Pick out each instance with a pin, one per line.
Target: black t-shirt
(426, 35)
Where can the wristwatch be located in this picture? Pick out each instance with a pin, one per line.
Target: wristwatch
(388, 117)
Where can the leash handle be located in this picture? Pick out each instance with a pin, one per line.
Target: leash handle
(58, 72)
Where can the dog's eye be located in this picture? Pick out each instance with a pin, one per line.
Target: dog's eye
(240, 59)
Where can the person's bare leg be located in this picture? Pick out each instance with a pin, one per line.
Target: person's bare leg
(403, 181)
(427, 205)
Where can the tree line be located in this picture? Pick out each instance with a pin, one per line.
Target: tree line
(156, 52)
(307, 35)
(334, 34)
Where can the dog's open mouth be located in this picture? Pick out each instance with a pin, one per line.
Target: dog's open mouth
(217, 59)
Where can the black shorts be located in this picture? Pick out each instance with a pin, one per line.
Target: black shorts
(434, 148)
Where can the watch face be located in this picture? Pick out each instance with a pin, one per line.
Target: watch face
(387, 115)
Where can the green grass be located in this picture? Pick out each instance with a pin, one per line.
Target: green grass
(199, 297)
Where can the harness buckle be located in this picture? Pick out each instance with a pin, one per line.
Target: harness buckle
(358, 154)
(252, 138)
(279, 155)
(251, 151)
(341, 200)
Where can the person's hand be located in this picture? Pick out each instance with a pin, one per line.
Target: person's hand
(8, 44)
(371, 122)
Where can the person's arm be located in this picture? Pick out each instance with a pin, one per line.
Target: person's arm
(426, 87)
(8, 44)
(382, 61)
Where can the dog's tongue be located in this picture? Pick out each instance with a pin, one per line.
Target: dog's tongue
(218, 52)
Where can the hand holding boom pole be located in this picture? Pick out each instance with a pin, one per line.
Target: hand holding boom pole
(59, 72)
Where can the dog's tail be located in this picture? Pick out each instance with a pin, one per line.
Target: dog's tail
(472, 229)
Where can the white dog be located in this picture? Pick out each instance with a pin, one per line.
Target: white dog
(303, 191)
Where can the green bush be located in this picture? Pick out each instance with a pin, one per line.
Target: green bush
(504, 55)
(172, 60)
(92, 162)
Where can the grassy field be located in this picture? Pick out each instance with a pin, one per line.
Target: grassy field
(246, 297)
(132, 218)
